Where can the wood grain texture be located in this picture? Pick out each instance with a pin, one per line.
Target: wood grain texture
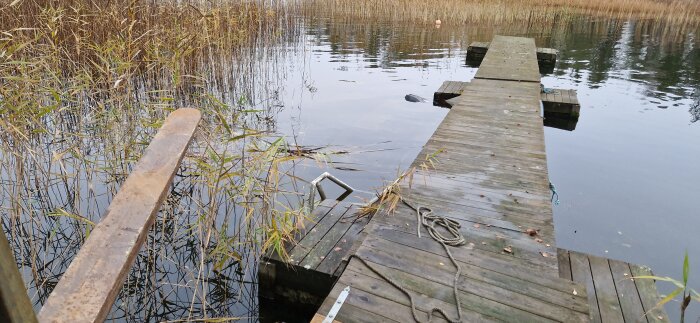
(87, 290)
(510, 58)
(15, 305)
(613, 294)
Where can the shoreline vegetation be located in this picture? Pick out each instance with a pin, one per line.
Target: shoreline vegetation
(84, 86)
(455, 12)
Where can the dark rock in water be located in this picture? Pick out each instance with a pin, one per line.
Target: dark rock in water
(414, 98)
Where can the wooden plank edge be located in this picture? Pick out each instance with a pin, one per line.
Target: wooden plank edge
(88, 289)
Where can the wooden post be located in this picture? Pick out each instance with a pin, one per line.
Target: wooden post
(90, 286)
(15, 305)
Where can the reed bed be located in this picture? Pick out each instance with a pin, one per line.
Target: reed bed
(455, 12)
(84, 85)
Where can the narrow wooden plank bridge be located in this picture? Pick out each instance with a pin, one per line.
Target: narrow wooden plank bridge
(491, 178)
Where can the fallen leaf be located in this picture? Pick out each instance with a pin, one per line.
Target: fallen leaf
(548, 245)
(508, 249)
(544, 254)
(539, 240)
(575, 292)
(476, 225)
(531, 232)
(470, 246)
(338, 248)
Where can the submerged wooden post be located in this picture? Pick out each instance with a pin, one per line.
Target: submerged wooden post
(90, 286)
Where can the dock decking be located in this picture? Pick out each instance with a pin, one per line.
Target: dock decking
(546, 57)
(492, 178)
(613, 295)
(318, 258)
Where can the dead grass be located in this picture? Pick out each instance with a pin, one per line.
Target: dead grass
(505, 11)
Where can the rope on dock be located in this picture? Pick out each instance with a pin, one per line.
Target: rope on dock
(554, 194)
(429, 220)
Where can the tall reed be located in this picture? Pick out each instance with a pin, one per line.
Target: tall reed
(84, 85)
(680, 12)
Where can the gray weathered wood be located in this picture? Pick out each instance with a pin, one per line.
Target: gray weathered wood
(15, 306)
(627, 294)
(477, 50)
(581, 272)
(510, 58)
(564, 264)
(89, 287)
(610, 309)
(613, 295)
(649, 294)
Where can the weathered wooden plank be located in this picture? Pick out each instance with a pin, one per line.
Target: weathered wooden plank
(318, 318)
(581, 272)
(314, 236)
(304, 226)
(478, 300)
(510, 58)
(89, 287)
(483, 265)
(341, 251)
(440, 295)
(564, 264)
(610, 309)
(632, 308)
(317, 254)
(362, 306)
(486, 283)
(15, 306)
(649, 295)
(484, 240)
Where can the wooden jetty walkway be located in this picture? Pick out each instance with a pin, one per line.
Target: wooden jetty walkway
(491, 178)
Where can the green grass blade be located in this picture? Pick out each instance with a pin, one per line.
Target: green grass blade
(686, 269)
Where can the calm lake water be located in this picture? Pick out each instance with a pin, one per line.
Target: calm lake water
(628, 175)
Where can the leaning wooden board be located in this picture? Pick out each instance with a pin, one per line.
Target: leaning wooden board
(87, 290)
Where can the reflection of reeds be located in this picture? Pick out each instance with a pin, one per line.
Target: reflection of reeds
(532, 11)
(83, 87)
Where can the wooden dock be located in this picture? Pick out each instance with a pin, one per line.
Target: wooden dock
(324, 244)
(492, 179)
(561, 108)
(546, 57)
